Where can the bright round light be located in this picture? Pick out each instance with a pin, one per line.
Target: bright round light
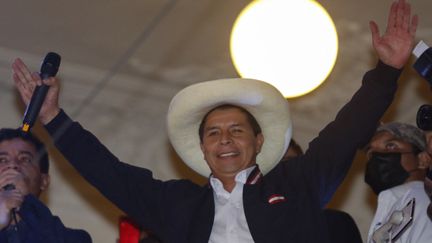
(291, 44)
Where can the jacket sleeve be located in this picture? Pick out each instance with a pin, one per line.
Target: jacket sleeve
(131, 188)
(329, 156)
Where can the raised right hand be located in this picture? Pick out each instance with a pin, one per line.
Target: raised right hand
(25, 82)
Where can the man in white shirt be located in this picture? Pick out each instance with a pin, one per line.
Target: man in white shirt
(395, 173)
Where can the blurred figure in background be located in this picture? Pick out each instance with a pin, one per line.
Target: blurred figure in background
(426, 162)
(428, 189)
(130, 232)
(293, 150)
(342, 227)
(23, 177)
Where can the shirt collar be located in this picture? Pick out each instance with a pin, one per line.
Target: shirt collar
(249, 176)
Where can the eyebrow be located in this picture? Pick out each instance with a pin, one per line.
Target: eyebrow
(393, 139)
(26, 152)
(210, 128)
(231, 125)
(20, 152)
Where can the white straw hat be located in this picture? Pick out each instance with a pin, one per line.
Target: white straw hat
(262, 100)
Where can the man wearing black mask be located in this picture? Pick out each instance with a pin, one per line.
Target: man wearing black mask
(395, 174)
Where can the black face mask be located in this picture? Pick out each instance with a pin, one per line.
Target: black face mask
(384, 171)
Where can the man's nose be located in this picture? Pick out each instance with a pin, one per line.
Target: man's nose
(12, 164)
(225, 138)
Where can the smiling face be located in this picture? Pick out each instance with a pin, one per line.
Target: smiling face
(19, 166)
(229, 143)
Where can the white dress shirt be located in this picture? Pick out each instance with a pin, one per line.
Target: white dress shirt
(396, 198)
(230, 225)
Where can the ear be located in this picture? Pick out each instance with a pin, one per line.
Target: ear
(203, 151)
(259, 142)
(45, 181)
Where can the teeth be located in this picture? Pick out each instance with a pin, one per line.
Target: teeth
(228, 154)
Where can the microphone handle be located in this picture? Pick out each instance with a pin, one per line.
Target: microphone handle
(34, 106)
(9, 187)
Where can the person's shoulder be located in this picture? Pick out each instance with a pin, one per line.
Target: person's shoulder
(418, 192)
(33, 204)
(415, 189)
(396, 192)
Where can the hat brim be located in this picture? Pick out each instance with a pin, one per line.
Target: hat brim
(262, 100)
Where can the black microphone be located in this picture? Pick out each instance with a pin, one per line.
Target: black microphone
(48, 69)
(9, 187)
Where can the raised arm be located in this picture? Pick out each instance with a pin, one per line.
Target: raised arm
(331, 153)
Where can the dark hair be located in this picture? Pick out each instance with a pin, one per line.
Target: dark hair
(251, 119)
(295, 146)
(42, 155)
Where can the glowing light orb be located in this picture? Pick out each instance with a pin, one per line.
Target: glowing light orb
(291, 44)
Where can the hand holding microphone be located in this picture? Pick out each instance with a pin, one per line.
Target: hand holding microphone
(10, 199)
(38, 91)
